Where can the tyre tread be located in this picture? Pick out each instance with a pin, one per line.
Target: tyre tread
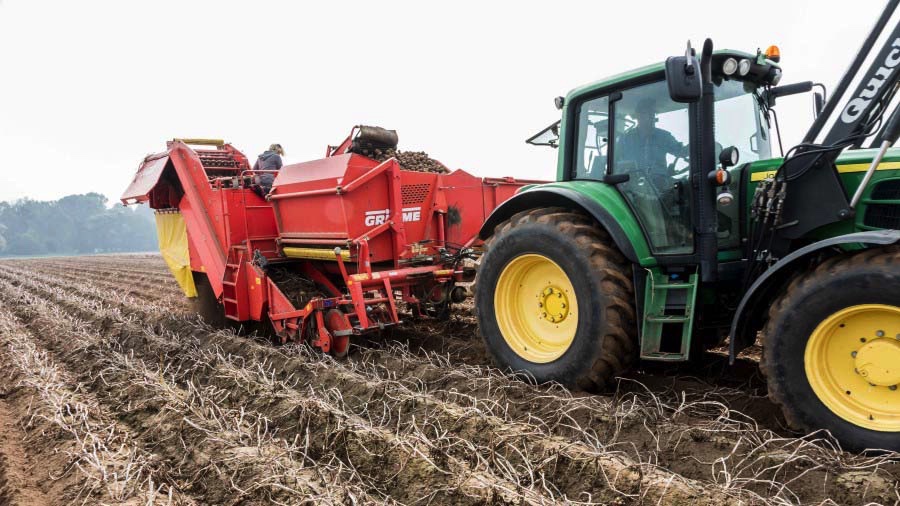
(619, 342)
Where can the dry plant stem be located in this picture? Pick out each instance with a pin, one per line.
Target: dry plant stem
(115, 467)
(543, 442)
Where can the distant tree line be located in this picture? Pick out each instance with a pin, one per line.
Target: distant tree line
(72, 225)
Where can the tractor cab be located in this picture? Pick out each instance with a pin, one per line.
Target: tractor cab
(628, 131)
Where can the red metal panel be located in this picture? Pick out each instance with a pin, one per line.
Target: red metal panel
(198, 206)
(462, 198)
(257, 295)
(398, 214)
(146, 178)
(325, 173)
(196, 262)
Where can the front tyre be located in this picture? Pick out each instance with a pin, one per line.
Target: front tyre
(831, 350)
(554, 300)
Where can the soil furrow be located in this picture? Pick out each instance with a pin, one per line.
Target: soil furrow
(577, 470)
(133, 287)
(402, 461)
(472, 410)
(83, 451)
(569, 462)
(218, 452)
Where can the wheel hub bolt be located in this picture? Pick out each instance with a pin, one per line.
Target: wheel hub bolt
(880, 333)
(853, 354)
(893, 387)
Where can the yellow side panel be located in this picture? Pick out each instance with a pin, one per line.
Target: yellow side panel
(173, 244)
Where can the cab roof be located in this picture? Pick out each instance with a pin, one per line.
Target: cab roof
(643, 71)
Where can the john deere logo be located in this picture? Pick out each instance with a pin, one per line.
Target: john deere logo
(378, 217)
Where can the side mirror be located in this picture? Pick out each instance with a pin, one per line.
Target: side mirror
(683, 77)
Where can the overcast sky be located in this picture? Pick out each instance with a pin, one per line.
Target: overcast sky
(88, 88)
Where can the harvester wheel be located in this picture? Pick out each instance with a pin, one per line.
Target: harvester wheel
(554, 300)
(831, 351)
(206, 305)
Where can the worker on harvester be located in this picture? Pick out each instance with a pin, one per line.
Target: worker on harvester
(268, 160)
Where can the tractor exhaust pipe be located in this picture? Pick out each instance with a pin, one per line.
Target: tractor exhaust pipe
(707, 220)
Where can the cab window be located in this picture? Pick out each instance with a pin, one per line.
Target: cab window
(651, 141)
(592, 143)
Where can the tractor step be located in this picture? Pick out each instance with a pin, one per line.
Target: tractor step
(668, 317)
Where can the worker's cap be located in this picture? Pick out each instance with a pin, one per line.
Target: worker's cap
(277, 148)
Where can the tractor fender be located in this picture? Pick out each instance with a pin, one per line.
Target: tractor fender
(562, 197)
(759, 297)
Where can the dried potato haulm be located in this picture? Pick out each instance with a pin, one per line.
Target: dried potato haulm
(221, 418)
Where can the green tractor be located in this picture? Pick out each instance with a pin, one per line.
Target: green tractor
(673, 226)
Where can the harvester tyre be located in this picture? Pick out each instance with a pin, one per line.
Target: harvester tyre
(557, 260)
(831, 350)
(206, 304)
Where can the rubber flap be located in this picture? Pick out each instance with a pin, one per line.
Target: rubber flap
(173, 244)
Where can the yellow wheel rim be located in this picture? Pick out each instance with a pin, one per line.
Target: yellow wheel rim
(536, 308)
(852, 362)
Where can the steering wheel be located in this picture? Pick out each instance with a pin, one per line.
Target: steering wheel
(645, 184)
(672, 166)
(644, 181)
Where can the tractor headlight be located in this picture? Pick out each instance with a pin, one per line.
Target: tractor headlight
(729, 66)
(744, 67)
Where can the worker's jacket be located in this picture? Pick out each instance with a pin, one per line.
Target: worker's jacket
(269, 160)
(648, 151)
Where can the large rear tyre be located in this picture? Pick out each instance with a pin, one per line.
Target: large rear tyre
(554, 300)
(831, 351)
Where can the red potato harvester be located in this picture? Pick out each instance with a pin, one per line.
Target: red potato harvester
(333, 250)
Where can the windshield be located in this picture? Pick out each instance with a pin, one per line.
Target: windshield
(740, 122)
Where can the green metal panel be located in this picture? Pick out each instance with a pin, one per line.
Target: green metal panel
(610, 199)
(851, 165)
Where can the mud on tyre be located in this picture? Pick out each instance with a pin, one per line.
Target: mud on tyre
(554, 300)
(831, 351)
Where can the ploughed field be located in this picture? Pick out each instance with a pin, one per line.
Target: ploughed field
(112, 391)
